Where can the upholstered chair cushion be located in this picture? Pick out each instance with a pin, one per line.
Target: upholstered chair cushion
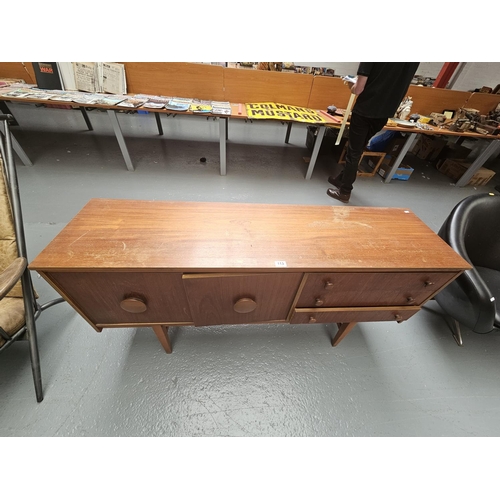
(8, 247)
(11, 316)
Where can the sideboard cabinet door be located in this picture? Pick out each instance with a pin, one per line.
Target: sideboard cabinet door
(228, 299)
(110, 298)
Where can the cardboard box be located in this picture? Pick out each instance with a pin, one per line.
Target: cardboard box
(453, 151)
(454, 169)
(328, 139)
(395, 146)
(389, 160)
(403, 172)
(428, 147)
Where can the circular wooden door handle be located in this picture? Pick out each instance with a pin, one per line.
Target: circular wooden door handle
(245, 305)
(133, 305)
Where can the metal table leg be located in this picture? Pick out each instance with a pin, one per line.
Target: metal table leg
(86, 117)
(409, 141)
(120, 139)
(317, 146)
(288, 130)
(222, 141)
(5, 109)
(19, 150)
(158, 123)
(478, 162)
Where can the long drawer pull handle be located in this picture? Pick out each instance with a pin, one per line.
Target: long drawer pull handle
(134, 305)
(245, 305)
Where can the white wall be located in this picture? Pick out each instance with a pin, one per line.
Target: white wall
(349, 68)
(478, 74)
(474, 74)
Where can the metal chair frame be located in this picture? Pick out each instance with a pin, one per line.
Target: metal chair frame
(32, 309)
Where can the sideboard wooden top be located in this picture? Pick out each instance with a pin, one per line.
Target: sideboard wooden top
(216, 237)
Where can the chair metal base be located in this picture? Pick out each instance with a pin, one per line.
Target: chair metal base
(457, 334)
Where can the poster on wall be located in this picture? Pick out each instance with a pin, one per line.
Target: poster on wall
(276, 111)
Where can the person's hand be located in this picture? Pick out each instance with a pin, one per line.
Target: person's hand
(359, 86)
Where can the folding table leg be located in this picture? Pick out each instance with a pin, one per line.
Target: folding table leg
(407, 145)
(478, 162)
(158, 123)
(86, 117)
(288, 130)
(222, 142)
(19, 150)
(120, 139)
(317, 146)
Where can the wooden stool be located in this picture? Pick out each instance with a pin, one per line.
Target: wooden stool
(361, 173)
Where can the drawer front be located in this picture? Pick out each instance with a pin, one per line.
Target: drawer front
(222, 299)
(370, 289)
(125, 297)
(352, 315)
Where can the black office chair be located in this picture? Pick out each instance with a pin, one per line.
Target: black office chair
(473, 230)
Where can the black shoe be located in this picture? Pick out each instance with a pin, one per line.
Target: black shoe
(335, 193)
(334, 180)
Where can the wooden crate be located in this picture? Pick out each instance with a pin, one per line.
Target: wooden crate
(362, 173)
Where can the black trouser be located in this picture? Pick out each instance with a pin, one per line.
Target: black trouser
(361, 130)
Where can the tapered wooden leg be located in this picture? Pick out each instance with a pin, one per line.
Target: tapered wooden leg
(344, 329)
(162, 334)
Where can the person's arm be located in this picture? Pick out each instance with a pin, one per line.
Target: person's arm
(359, 86)
(363, 73)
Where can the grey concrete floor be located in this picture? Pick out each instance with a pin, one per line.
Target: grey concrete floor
(384, 379)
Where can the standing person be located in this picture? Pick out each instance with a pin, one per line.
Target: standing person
(380, 87)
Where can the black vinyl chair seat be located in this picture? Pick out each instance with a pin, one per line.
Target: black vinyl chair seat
(473, 230)
(491, 278)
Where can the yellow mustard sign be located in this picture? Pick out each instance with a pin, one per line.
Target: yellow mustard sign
(276, 111)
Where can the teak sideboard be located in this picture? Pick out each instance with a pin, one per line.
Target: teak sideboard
(123, 263)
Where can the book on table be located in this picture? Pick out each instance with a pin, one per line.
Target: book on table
(85, 98)
(132, 102)
(103, 77)
(62, 96)
(86, 76)
(42, 95)
(198, 106)
(154, 101)
(47, 75)
(179, 104)
(112, 78)
(109, 100)
(21, 92)
(221, 108)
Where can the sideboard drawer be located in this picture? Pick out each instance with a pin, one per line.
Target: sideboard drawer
(108, 298)
(355, 314)
(370, 289)
(221, 299)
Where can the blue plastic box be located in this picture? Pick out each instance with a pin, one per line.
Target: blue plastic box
(403, 172)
